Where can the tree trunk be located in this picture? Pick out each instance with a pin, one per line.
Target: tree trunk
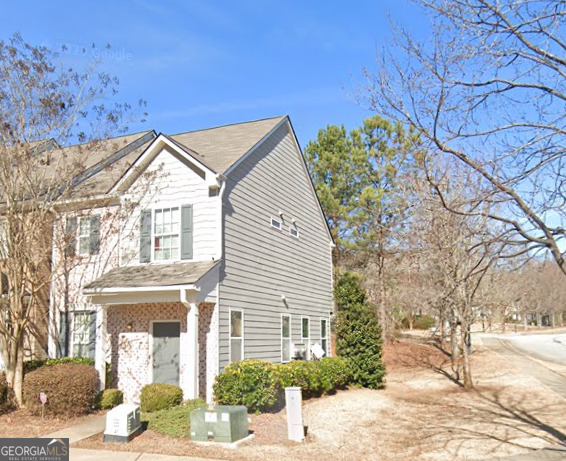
(466, 338)
(15, 373)
(455, 355)
(382, 312)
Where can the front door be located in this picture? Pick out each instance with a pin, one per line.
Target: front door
(166, 346)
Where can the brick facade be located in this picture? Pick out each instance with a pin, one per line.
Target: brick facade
(129, 328)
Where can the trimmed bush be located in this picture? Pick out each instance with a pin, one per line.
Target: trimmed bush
(71, 389)
(159, 396)
(315, 378)
(303, 374)
(358, 335)
(35, 364)
(109, 398)
(253, 383)
(175, 421)
(335, 373)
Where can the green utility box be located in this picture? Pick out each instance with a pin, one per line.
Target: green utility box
(223, 423)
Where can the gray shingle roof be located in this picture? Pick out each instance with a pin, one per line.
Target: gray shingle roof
(152, 275)
(219, 148)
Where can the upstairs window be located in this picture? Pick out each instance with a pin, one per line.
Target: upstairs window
(294, 232)
(166, 234)
(82, 236)
(275, 223)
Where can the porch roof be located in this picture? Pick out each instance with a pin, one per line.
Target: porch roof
(152, 275)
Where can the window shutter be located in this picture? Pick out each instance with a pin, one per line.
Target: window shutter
(63, 323)
(94, 235)
(71, 237)
(145, 236)
(187, 232)
(91, 335)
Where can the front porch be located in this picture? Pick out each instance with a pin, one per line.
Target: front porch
(150, 332)
(135, 358)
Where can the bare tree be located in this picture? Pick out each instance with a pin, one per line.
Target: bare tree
(455, 254)
(44, 107)
(489, 88)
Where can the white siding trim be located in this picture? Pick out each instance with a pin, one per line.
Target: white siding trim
(158, 144)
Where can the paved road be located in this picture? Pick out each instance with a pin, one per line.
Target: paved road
(519, 356)
(517, 349)
(551, 348)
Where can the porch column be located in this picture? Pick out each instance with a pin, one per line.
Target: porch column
(192, 349)
(100, 346)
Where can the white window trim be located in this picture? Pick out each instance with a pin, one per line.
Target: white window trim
(153, 209)
(290, 339)
(81, 313)
(293, 228)
(306, 339)
(327, 337)
(150, 367)
(80, 219)
(272, 220)
(230, 332)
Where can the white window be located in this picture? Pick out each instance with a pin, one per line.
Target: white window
(293, 232)
(166, 234)
(275, 223)
(285, 338)
(81, 333)
(305, 332)
(236, 335)
(84, 236)
(324, 336)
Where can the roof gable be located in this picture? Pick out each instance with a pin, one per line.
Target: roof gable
(222, 147)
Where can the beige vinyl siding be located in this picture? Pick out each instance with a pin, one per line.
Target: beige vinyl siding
(262, 263)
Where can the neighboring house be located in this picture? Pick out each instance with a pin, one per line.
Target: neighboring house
(183, 253)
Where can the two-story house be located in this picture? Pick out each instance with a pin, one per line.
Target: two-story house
(189, 251)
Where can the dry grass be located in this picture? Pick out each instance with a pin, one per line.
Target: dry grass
(21, 424)
(421, 415)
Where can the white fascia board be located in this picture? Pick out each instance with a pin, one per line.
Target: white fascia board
(101, 200)
(111, 291)
(157, 145)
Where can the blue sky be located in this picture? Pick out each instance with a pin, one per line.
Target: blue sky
(209, 63)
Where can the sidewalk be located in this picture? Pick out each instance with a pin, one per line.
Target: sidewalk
(547, 454)
(81, 454)
(80, 431)
(96, 426)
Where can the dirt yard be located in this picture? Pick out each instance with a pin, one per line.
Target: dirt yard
(421, 415)
(20, 424)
